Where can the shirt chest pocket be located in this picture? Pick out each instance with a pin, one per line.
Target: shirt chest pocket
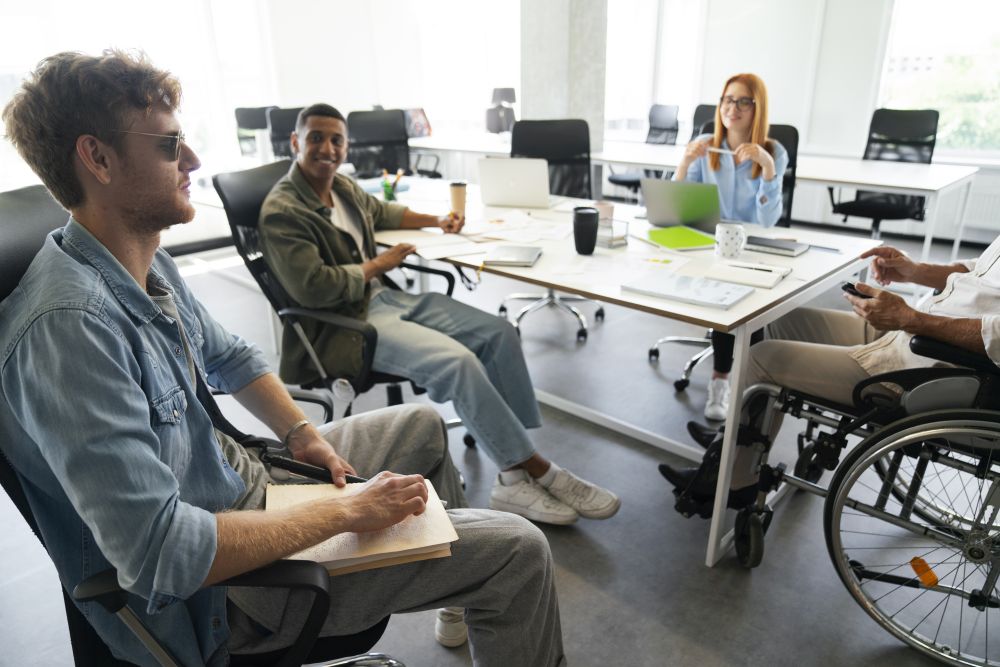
(169, 408)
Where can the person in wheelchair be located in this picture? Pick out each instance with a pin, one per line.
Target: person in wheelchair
(824, 353)
(317, 234)
(106, 418)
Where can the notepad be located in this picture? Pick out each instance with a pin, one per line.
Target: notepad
(681, 237)
(689, 289)
(748, 273)
(428, 535)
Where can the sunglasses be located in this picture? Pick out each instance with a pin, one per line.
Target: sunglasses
(171, 147)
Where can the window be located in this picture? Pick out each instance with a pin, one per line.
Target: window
(653, 56)
(949, 61)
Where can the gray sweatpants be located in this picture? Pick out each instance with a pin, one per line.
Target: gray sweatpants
(808, 350)
(500, 569)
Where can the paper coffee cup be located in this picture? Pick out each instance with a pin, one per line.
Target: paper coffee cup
(457, 191)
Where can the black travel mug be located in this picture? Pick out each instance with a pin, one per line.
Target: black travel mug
(585, 229)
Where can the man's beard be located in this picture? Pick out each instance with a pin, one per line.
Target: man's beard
(149, 216)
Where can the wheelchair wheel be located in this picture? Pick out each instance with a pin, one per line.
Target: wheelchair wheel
(928, 577)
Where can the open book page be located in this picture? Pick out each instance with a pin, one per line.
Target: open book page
(415, 538)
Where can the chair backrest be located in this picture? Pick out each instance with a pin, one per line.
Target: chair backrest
(378, 141)
(242, 194)
(663, 124)
(902, 135)
(565, 144)
(27, 215)
(280, 125)
(703, 113)
(788, 137)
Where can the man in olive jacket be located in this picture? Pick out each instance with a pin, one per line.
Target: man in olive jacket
(317, 232)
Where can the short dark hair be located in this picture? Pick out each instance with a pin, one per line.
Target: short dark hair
(71, 94)
(319, 109)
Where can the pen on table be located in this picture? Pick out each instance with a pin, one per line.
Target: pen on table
(650, 243)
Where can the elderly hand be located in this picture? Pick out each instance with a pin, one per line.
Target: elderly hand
(884, 310)
(891, 265)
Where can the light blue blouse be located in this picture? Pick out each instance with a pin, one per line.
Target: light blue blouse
(741, 197)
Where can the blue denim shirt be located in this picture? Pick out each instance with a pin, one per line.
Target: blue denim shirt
(741, 197)
(118, 459)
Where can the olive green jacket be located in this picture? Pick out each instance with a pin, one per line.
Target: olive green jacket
(320, 267)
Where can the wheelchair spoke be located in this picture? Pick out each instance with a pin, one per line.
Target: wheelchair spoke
(918, 506)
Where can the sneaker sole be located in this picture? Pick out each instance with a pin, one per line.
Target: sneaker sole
(451, 642)
(605, 513)
(532, 516)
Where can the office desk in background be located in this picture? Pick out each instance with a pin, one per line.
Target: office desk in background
(601, 275)
(931, 181)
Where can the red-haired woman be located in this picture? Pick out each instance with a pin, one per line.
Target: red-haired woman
(748, 169)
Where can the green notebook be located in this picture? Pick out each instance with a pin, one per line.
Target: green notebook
(679, 237)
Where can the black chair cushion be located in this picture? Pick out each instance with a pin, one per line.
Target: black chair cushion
(882, 206)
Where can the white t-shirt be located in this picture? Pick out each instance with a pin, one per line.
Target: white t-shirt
(346, 220)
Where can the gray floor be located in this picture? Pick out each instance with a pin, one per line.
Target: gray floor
(633, 590)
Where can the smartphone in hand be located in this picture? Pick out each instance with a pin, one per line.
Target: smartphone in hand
(852, 290)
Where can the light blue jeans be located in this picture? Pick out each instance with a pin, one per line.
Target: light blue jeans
(464, 355)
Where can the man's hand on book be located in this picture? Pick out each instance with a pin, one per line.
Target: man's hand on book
(385, 500)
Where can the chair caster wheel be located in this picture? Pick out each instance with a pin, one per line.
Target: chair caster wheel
(751, 525)
(581, 336)
(654, 354)
(502, 311)
(469, 441)
(599, 315)
(681, 385)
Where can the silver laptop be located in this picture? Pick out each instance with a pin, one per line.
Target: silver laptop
(681, 203)
(520, 182)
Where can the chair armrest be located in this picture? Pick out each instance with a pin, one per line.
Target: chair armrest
(936, 349)
(367, 331)
(447, 275)
(316, 397)
(103, 588)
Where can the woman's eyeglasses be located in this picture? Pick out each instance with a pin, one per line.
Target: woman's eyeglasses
(742, 103)
(172, 148)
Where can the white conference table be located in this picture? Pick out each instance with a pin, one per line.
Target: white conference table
(601, 275)
(932, 181)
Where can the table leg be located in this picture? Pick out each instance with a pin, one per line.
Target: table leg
(961, 219)
(718, 542)
(930, 219)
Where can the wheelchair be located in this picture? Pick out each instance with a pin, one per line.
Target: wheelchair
(912, 512)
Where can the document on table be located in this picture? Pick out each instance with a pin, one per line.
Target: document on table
(433, 244)
(519, 227)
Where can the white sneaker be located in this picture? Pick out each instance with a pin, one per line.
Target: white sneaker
(450, 629)
(717, 406)
(588, 499)
(527, 498)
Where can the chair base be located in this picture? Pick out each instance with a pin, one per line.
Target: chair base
(685, 379)
(550, 298)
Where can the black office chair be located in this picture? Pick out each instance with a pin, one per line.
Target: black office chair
(280, 125)
(249, 120)
(565, 144)
(27, 216)
(788, 137)
(898, 136)
(662, 130)
(242, 194)
(379, 140)
(703, 113)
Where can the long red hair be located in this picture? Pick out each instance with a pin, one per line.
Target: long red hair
(759, 128)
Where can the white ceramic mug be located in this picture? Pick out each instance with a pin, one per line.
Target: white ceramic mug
(729, 240)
